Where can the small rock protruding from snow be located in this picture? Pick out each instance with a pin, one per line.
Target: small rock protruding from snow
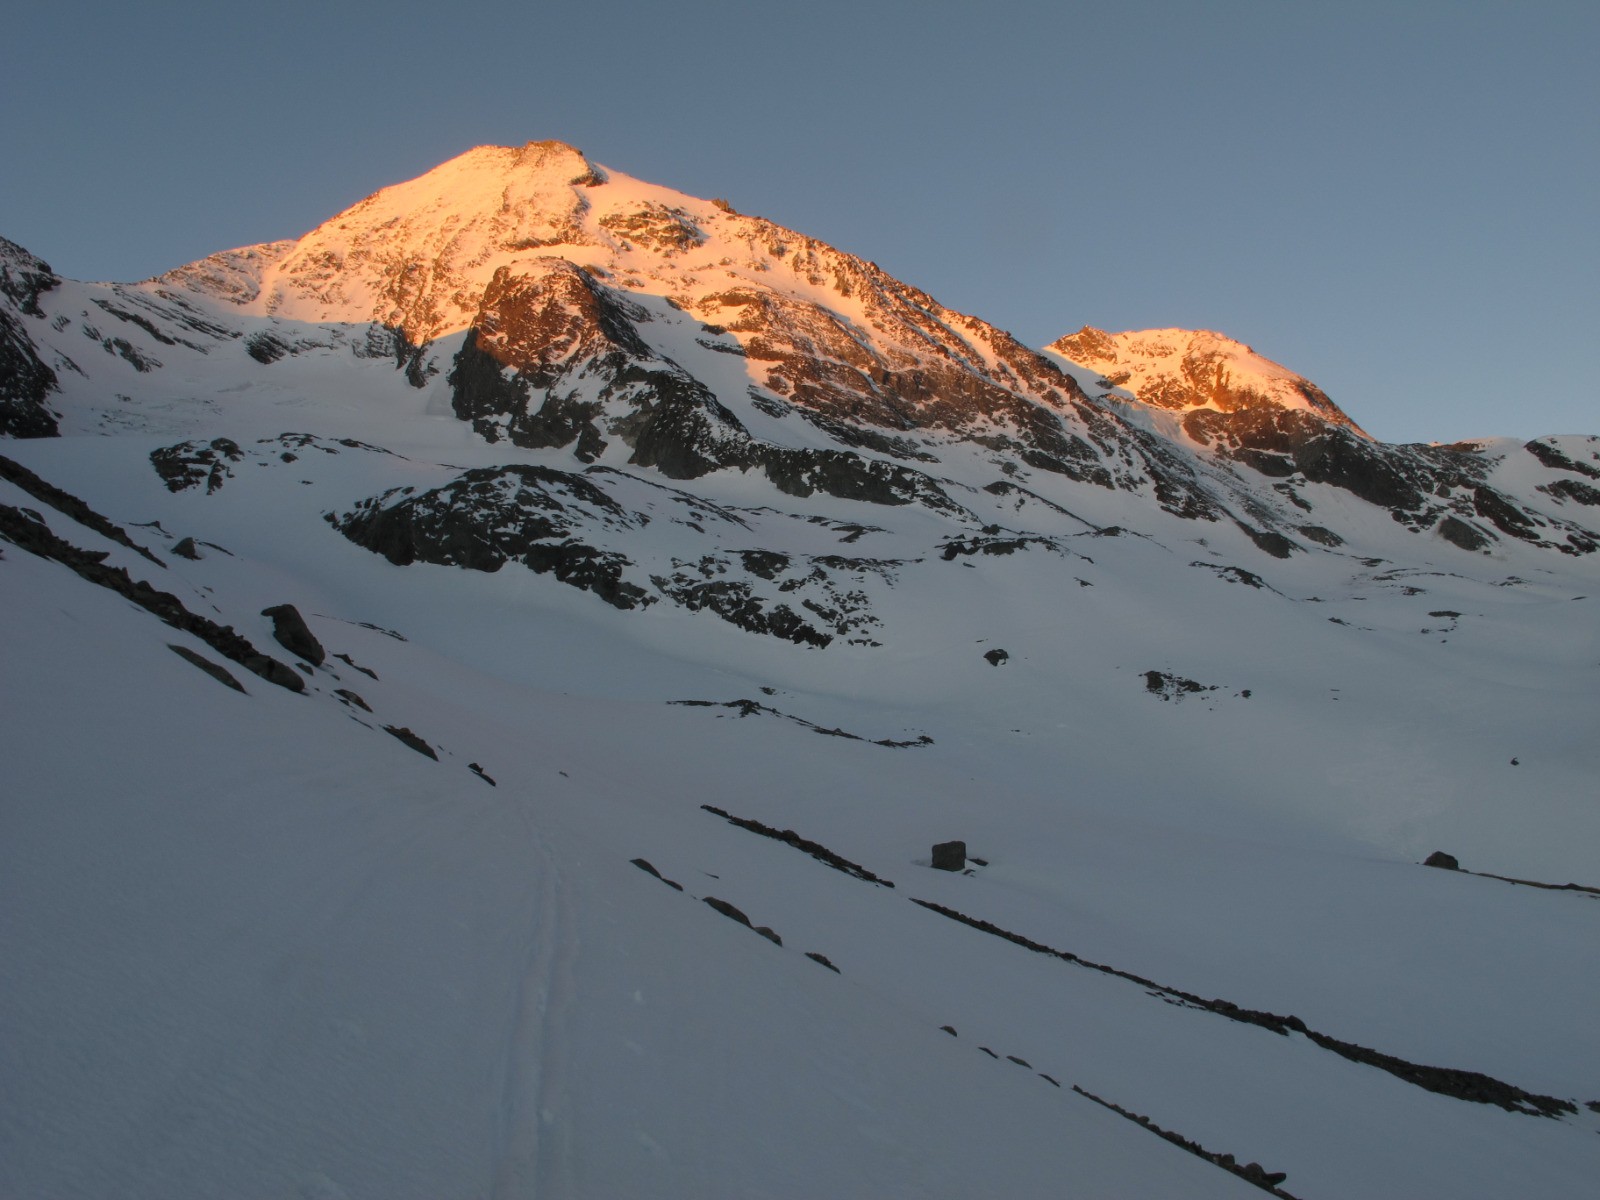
(1442, 860)
(950, 856)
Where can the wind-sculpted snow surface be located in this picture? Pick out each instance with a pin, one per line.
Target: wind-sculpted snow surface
(578, 509)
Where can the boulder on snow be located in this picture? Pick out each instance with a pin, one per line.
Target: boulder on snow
(950, 856)
(1440, 859)
(291, 632)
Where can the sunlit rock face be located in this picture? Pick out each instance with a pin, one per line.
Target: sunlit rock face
(1242, 410)
(1181, 370)
(415, 256)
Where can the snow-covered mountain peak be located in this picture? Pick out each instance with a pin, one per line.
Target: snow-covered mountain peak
(504, 659)
(415, 255)
(1183, 369)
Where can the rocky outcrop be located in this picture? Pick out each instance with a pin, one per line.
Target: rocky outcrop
(415, 741)
(1471, 1086)
(533, 515)
(25, 384)
(190, 464)
(26, 381)
(71, 506)
(574, 527)
(289, 630)
(26, 531)
(735, 914)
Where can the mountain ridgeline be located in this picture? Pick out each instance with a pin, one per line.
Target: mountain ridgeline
(556, 306)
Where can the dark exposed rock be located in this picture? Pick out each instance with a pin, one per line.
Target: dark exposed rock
(1237, 575)
(823, 959)
(291, 632)
(189, 464)
(858, 437)
(1174, 687)
(1552, 457)
(25, 530)
(766, 563)
(24, 278)
(1471, 1086)
(217, 672)
(1440, 859)
(265, 347)
(410, 739)
(490, 516)
(994, 545)
(1266, 540)
(1459, 533)
(185, 548)
(949, 856)
(737, 603)
(482, 774)
(1320, 535)
(25, 383)
(790, 838)
(729, 911)
(129, 353)
(538, 335)
(1268, 1181)
(1505, 515)
(535, 332)
(996, 657)
(69, 505)
(1534, 883)
(1388, 476)
(1573, 489)
(351, 698)
(350, 662)
(750, 708)
(648, 868)
(950, 1029)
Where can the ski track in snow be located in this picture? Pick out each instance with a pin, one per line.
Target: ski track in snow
(535, 1155)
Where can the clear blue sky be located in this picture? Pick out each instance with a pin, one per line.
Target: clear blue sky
(1399, 200)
